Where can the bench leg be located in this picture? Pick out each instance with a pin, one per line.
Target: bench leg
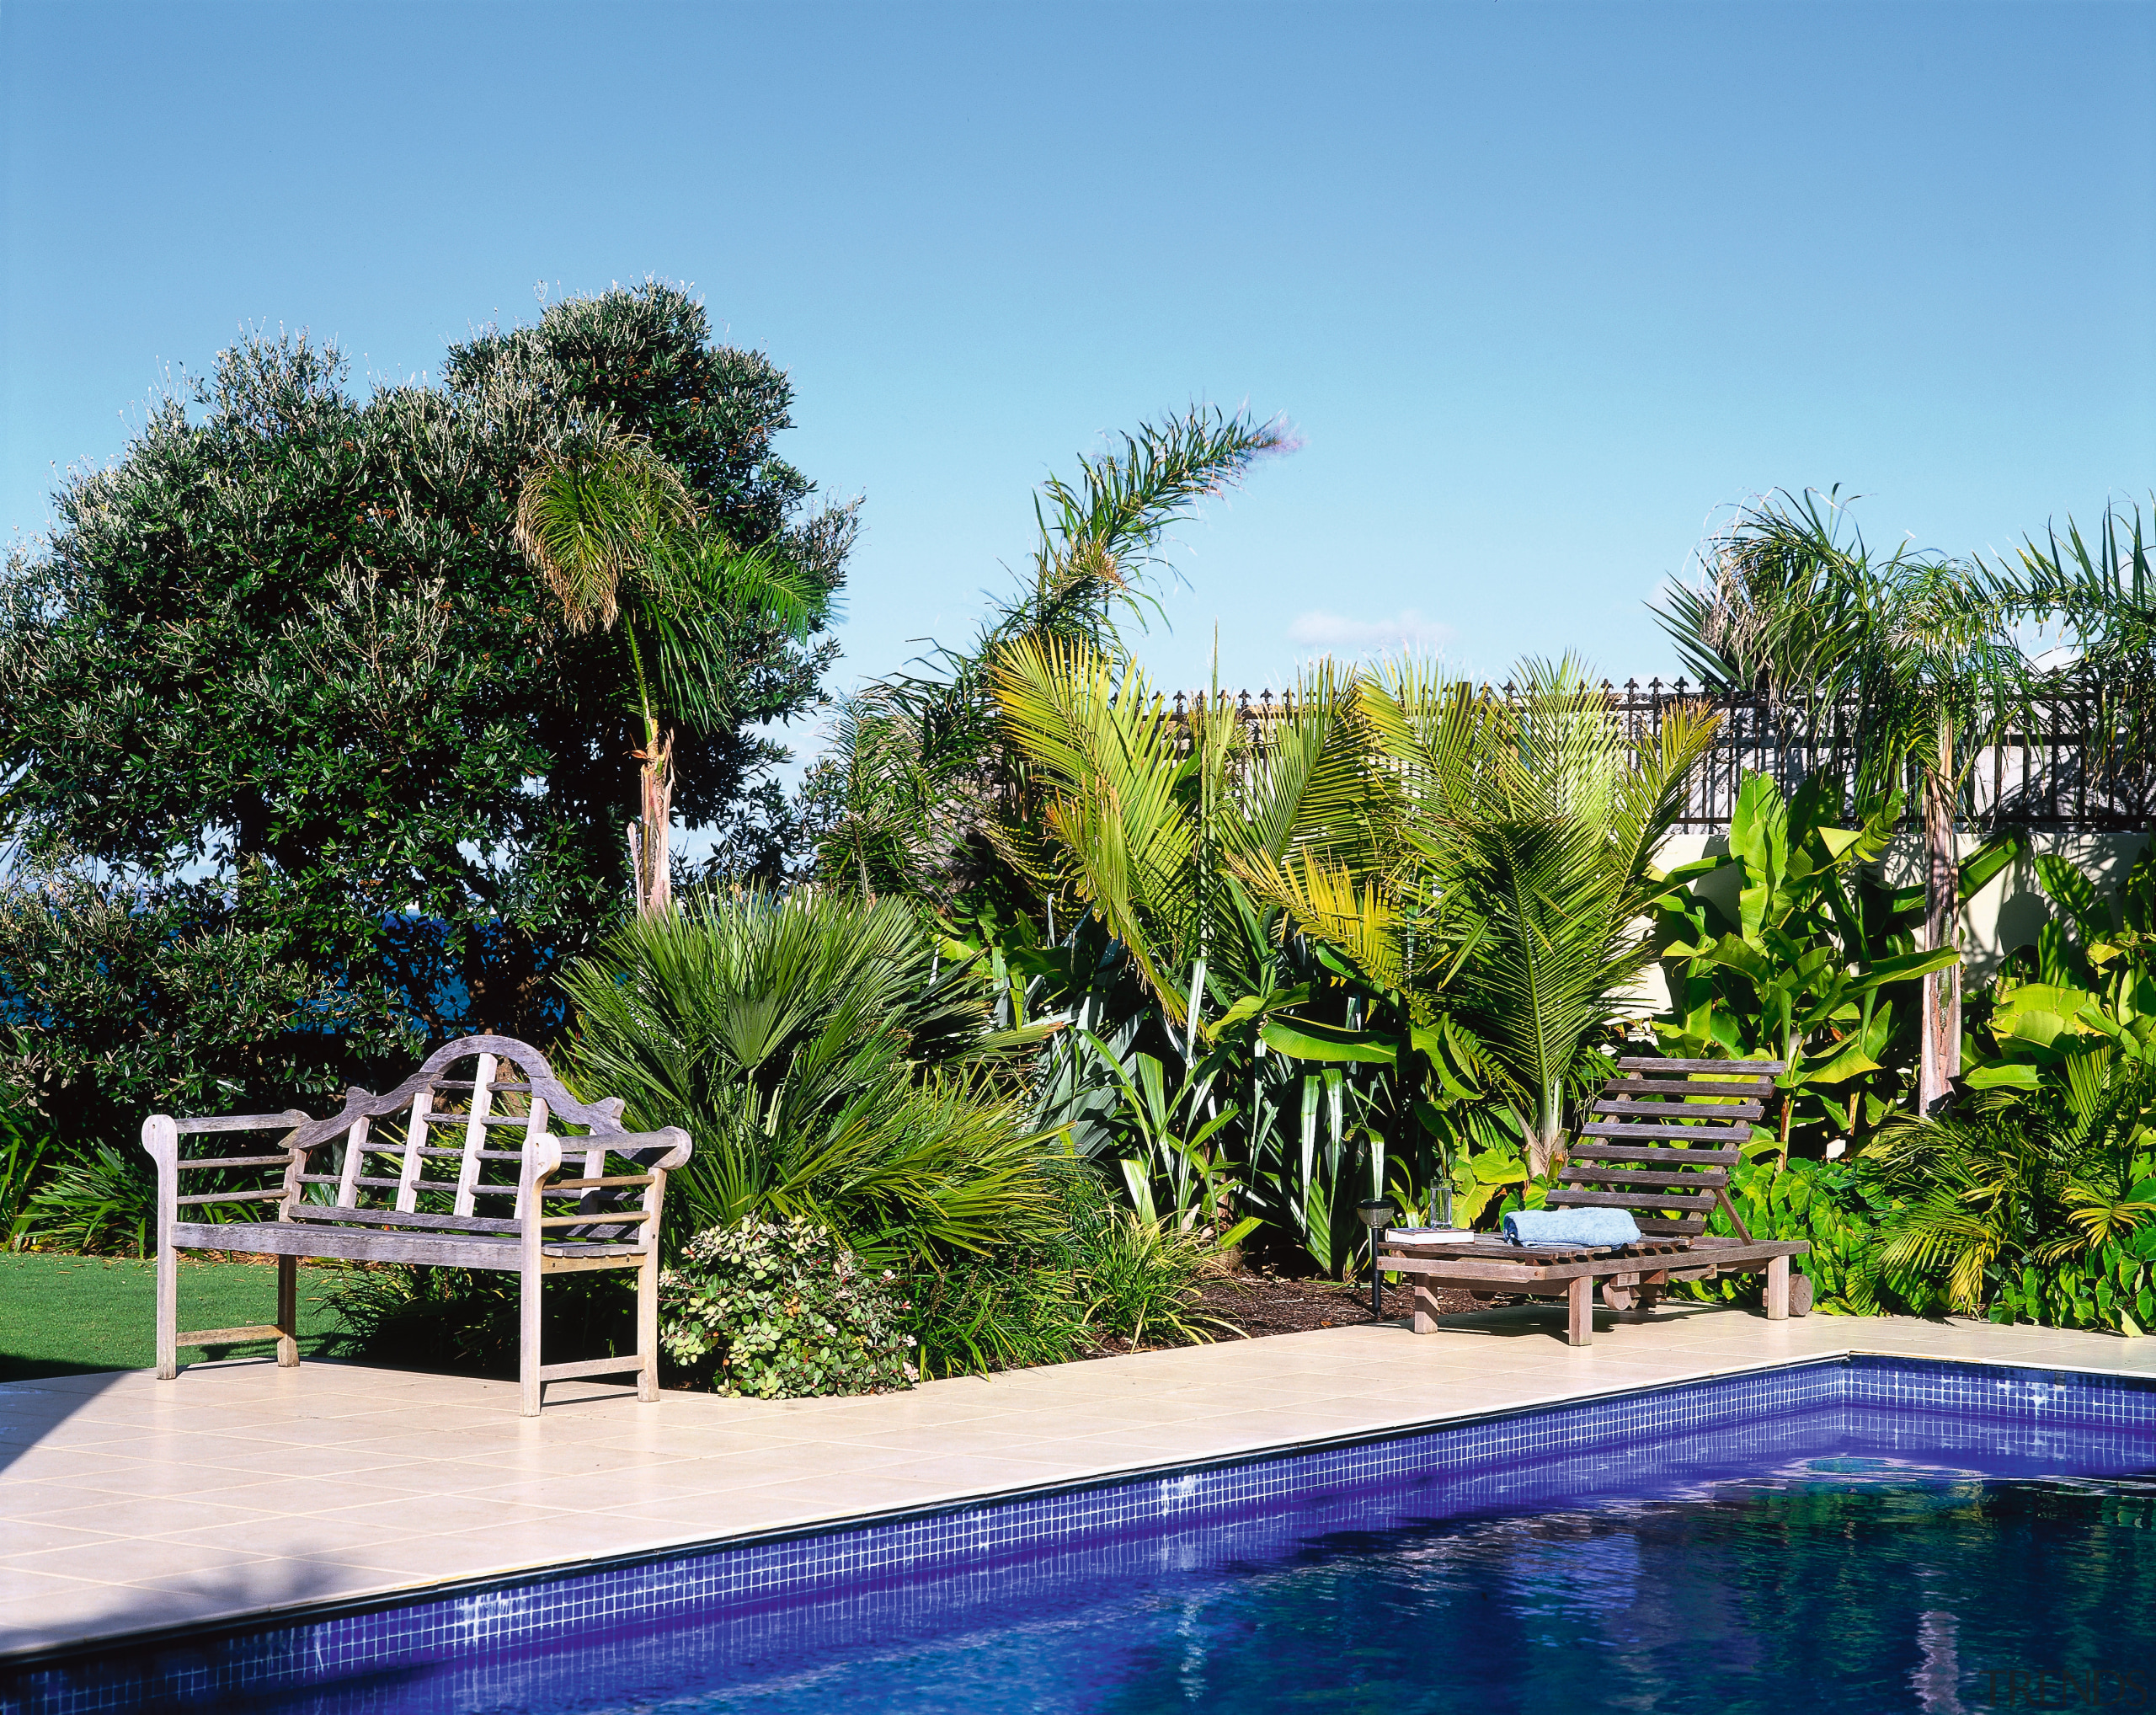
(1579, 1297)
(288, 1312)
(1778, 1290)
(168, 1312)
(527, 1343)
(1422, 1318)
(648, 1325)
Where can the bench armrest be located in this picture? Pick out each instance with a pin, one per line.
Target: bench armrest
(670, 1138)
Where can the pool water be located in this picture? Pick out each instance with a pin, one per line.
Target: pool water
(1840, 1560)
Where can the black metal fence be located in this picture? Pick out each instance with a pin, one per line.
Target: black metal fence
(2073, 769)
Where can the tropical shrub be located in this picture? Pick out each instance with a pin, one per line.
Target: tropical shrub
(97, 1201)
(1833, 1206)
(25, 1151)
(118, 1000)
(2019, 1178)
(1099, 1274)
(829, 1068)
(782, 1310)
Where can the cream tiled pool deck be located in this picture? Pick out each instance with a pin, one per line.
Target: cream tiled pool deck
(128, 1504)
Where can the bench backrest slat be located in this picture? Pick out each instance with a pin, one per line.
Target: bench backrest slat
(475, 1130)
(415, 1139)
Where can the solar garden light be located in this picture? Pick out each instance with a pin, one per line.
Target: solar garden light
(1377, 1213)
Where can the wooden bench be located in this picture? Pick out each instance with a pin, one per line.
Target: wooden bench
(1659, 1141)
(489, 1199)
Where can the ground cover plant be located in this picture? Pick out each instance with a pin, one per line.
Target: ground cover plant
(782, 1310)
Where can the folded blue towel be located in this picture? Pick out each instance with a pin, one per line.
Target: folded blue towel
(1571, 1226)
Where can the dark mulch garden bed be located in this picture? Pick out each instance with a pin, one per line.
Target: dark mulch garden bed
(1268, 1304)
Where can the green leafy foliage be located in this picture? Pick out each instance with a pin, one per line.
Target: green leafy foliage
(782, 1310)
(2086, 998)
(287, 648)
(25, 1149)
(1785, 950)
(98, 1202)
(1829, 1204)
(116, 1001)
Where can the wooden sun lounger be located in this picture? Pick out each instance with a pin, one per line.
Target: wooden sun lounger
(344, 1189)
(1659, 1141)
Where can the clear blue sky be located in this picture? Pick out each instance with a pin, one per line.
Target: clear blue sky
(1540, 286)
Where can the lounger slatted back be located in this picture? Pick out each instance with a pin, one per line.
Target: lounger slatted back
(449, 1171)
(1660, 1139)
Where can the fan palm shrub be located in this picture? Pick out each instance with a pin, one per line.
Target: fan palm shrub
(826, 1067)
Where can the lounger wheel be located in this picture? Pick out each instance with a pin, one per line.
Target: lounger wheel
(1799, 1294)
(1619, 1294)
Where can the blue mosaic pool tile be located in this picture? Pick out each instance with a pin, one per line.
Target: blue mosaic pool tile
(1510, 1460)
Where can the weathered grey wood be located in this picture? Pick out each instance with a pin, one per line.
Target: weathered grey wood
(1641, 1176)
(1594, 1149)
(601, 1117)
(1666, 1133)
(415, 1138)
(570, 1258)
(288, 1312)
(588, 1366)
(284, 1238)
(532, 1386)
(230, 1336)
(241, 1122)
(609, 1235)
(1580, 1311)
(1732, 1068)
(230, 1197)
(1680, 1110)
(355, 1149)
(269, 1159)
(1778, 1290)
(475, 1131)
(329, 1214)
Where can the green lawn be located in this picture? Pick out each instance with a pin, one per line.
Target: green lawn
(62, 1314)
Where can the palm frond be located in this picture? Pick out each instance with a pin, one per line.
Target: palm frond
(586, 520)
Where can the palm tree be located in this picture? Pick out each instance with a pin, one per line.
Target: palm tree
(622, 544)
(1914, 651)
(1533, 818)
(918, 774)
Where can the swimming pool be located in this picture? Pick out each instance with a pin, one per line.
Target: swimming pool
(1861, 1533)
